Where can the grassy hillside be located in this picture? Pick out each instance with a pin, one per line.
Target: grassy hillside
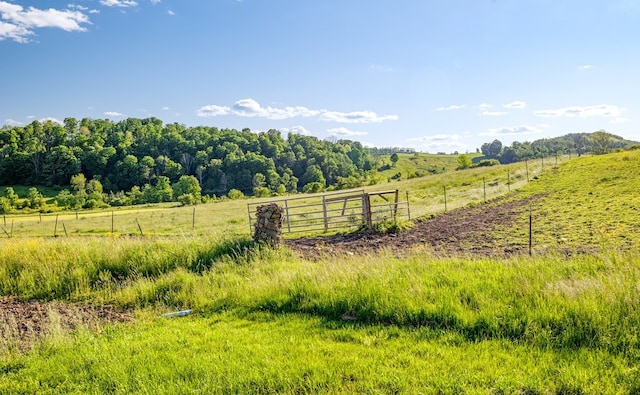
(269, 321)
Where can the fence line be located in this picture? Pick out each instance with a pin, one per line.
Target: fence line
(340, 212)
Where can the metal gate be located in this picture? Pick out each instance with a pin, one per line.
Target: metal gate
(336, 211)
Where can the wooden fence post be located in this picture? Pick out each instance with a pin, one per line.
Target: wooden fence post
(445, 198)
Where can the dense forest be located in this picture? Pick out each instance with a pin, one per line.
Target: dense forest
(142, 160)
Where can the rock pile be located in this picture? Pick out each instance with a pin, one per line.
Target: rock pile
(268, 225)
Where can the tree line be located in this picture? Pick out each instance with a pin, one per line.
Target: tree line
(144, 160)
(599, 142)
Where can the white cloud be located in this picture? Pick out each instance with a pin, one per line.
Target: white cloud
(515, 105)
(154, 2)
(113, 114)
(52, 119)
(356, 117)
(493, 113)
(250, 108)
(484, 106)
(94, 11)
(18, 24)
(603, 110)
(620, 120)
(585, 67)
(165, 108)
(439, 143)
(12, 122)
(212, 111)
(119, 3)
(342, 131)
(512, 131)
(31, 116)
(452, 107)
(298, 129)
(171, 13)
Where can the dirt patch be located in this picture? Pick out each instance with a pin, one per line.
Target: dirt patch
(464, 231)
(22, 323)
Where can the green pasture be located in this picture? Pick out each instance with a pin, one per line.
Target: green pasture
(264, 320)
(426, 196)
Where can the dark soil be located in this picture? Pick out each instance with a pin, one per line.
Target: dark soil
(22, 323)
(466, 231)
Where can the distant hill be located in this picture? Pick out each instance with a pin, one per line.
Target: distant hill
(599, 142)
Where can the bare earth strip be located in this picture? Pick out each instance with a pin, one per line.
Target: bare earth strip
(464, 231)
(24, 322)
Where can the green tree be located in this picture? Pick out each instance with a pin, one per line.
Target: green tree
(394, 158)
(188, 185)
(12, 196)
(464, 162)
(602, 142)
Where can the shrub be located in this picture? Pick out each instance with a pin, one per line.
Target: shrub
(261, 192)
(235, 194)
(313, 187)
(488, 162)
(186, 199)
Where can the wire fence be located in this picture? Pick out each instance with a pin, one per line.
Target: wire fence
(340, 210)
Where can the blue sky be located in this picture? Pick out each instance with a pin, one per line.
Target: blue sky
(437, 76)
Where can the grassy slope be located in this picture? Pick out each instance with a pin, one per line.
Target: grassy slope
(266, 321)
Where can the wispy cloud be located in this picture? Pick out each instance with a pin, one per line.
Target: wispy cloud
(119, 3)
(439, 143)
(12, 122)
(356, 117)
(171, 13)
(250, 108)
(452, 107)
(484, 106)
(585, 67)
(113, 114)
(154, 2)
(298, 129)
(620, 120)
(603, 110)
(492, 113)
(18, 23)
(213, 111)
(512, 131)
(515, 105)
(342, 131)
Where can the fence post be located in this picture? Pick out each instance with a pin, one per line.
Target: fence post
(530, 231)
(111, 220)
(543, 163)
(509, 180)
(526, 166)
(139, 227)
(55, 227)
(445, 198)
(408, 210)
(249, 213)
(484, 189)
(395, 207)
(193, 219)
(65, 229)
(324, 212)
(286, 211)
(367, 199)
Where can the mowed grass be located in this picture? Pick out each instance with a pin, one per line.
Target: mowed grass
(267, 321)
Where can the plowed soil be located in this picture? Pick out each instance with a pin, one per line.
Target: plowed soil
(465, 231)
(24, 322)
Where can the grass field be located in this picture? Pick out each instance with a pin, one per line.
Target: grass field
(426, 197)
(267, 321)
